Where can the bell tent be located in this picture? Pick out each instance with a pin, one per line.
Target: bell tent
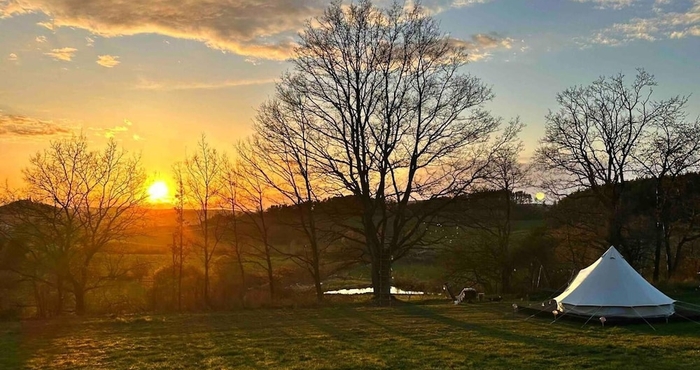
(610, 287)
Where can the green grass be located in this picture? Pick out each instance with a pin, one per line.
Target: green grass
(438, 335)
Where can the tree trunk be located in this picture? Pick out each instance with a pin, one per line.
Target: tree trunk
(270, 278)
(317, 278)
(677, 260)
(669, 256)
(59, 301)
(179, 273)
(206, 282)
(657, 252)
(381, 277)
(615, 232)
(79, 293)
(506, 274)
(659, 231)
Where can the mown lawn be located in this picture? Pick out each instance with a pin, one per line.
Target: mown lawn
(411, 336)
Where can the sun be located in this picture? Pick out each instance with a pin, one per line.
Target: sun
(539, 196)
(158, 192)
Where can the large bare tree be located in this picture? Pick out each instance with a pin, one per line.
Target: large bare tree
(391, 119)
(591, 139)
(89, 200)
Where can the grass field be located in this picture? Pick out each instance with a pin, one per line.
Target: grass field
(434, 335)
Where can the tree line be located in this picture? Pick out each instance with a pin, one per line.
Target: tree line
(378, 114)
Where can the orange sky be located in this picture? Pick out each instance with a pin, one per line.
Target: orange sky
(155, 75)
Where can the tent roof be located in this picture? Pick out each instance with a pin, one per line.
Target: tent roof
(612, 282)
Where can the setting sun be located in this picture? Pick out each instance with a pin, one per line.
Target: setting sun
(158, 192)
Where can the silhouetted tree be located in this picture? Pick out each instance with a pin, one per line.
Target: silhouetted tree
(391, 119)
(669, 149)
(591, 139)
(231, 194)
(255, 196)
(202, 178)
(86, 201)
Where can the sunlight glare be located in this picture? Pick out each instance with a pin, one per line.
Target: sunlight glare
(158, 192)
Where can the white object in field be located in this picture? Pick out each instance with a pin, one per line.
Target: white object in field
(611, 287)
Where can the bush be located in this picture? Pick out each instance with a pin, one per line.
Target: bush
(163, 294)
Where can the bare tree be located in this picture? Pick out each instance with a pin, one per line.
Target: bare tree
(254, 198)
(590, 141)
(285, 162)
(89, 200)
(669, 149)
(231, 202)
(179, 248)
(203, 171)
(391, 119)
(507, 174)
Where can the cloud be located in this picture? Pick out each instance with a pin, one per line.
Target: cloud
(479, 47)
(47, 25)
(137, 137)
(108, 61)
(256, 28)
(177, 85)
(40, 39)
(65, 54)
(111, 132)
(262, 29)
(608, 4)
(90, 41)
(23, 126)
(439, 6)
(661, 24)
(127, 122)
(12, 57)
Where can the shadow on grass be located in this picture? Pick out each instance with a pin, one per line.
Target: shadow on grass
(508, 336)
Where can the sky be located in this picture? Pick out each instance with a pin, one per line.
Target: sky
(156, 75)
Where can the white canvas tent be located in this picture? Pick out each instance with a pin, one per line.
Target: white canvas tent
(610, 287)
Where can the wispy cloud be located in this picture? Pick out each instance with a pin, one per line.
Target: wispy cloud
(12, 57)
(90, 41)
(662, 23)
(65, 54)
(19, 126)
(40, 39)
(198, 85)
(137, 137)
(480, 46)
(439, 6)
(111, 132)
(608, 4)
(108, 61)
(47, 25)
